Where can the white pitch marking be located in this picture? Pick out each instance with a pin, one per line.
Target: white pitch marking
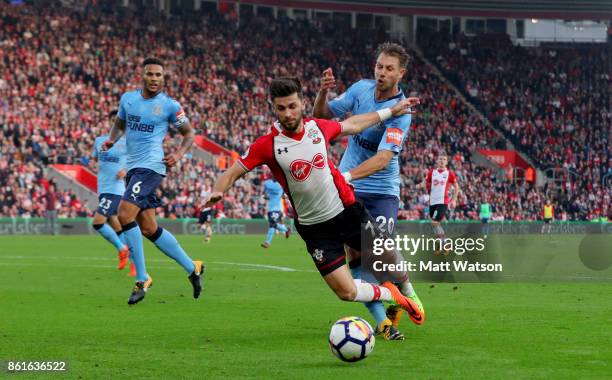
(79, 258)
(274, 267)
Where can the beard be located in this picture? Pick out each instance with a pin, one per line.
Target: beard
(291, 127)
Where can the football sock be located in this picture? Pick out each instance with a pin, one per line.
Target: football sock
(376, 308)
(133, 238)
(121, 237)
(281, 227)
(109, 234)
(367, 292)
(166, 242)
(270, 235)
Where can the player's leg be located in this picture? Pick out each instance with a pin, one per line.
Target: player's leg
(204, 220)
(132, 235)
(349, 289)
(124, 255)
(485, 226)
(106, 231)
(549, 226)
(208, 230)
(133, 238)
(106, 223)
(384, 325)
(383, 211)
(167, 243)
(387, 207)
(280, 226)
(272, 224)
(437, 214)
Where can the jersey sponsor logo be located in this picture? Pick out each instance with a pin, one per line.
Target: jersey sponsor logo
(365, 144)
(105, 157)
(313, 134)
(394, 136)
(301, 169)
(133, 123)
(280, 151)
(436, 182)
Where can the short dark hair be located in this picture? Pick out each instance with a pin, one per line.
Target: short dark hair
(284, 86)
(394, 50)
(152, 61)
(112, 114)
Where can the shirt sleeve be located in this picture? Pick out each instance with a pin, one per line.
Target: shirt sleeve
(428, 179)
(121, 112)
(257, 154)
(331, 129)
(451, 177)
(396, 130)
(177, 115)
(344, 102)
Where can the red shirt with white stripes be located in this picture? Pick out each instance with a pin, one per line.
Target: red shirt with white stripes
(300, 163)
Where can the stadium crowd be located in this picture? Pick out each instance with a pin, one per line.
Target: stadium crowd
(557, 109)
(64, 70)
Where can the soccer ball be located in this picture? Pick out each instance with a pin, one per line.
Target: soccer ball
(351, 339)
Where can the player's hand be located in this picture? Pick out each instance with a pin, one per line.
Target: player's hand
(405, 106)
(171, 159)
(107, 145)
(453, 203)
(327, 80)
(213, 198)
(120, 174)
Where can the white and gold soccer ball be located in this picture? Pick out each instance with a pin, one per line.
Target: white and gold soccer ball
(351, 339)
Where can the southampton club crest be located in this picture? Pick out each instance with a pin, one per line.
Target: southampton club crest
(313, 134)
(318, 256)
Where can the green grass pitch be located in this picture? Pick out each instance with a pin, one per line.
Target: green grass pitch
(267, 313)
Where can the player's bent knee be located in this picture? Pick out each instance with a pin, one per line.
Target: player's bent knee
(99, 219)
(347, 294)
(148, 230)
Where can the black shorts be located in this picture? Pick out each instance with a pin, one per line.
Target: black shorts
(547, 220)
(325, 241)
(437, 212)
(205, 216)
(274, 218)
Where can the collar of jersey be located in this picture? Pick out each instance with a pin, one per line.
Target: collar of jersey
(140, 93)
(396, 96)
(280, 131)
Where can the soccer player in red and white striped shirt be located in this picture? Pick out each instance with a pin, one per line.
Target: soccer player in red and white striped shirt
(438, 182)
(327, 216)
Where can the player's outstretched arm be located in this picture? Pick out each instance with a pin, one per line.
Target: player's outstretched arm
(321, 108)
(188, 137)
(223, 183)
(358, 123)
(377, 162)
(116, 132)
